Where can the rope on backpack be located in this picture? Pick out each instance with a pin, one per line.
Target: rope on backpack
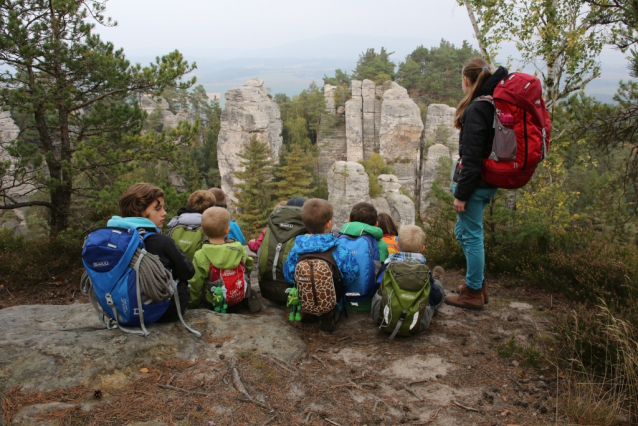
(155, 281)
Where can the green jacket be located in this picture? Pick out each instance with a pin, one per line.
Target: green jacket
(356, 229)
(222, 256)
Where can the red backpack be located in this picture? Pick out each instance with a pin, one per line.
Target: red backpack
(521, 131)
(235, 284)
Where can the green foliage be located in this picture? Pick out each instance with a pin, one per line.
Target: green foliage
(527, 354)
(309, 105)
(74, 91)
(31, 262)
(294, 179)
(434, 75)
(374, 66)
(341, 78)
(255, 192)
(540, 30)
(374, 167)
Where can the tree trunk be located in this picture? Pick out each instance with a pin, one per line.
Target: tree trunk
(61, 200)
(477, 32)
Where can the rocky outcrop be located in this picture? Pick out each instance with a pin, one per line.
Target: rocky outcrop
(329, 95)
(53, 347)
(441, 140)
(439, 127)
(368, 95)
(160, 105)
(11, 219)
(400, 134)
(428, 175)
(354, 124)
(348, 184)
(399, 206)
(249, 112)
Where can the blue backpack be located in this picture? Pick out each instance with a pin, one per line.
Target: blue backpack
(113, 285)
(365, 251)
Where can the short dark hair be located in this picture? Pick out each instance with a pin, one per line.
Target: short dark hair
(137, 198)
(365, 213)
(220, 197)
(315, 214)
(387, 225)
(201, 200)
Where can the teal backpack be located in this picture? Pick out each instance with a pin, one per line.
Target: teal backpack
(405, 294)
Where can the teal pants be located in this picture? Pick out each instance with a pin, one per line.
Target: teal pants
(469, 233)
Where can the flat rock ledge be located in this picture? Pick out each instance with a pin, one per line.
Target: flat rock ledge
(53, 347)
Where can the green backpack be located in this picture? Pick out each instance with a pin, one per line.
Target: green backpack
(405, 293)
(188, 238)
(284, 224)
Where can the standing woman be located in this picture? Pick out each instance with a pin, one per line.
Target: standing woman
(471, 193)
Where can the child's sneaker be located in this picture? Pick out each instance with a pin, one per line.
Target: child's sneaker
(438, 273)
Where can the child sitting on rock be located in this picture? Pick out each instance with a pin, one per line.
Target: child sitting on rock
(390, 232)
(317, 218)
(217, 260)
(235, 232)
(142, 208)
(360, 235)
(185, 229)
(410, 274)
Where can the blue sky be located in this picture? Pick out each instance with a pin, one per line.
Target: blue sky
(290, 43)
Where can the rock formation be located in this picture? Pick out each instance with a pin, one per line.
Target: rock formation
(249, 112)
(428, 173)
(399, 205)
(52, 347)
(11, 219)
(348, 184)
(440, 117)
(442, 140)
(168, 119)
(354, 124)
(400, 134)
(379, 118)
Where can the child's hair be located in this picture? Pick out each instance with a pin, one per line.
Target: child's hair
(137, 198)
(201, 200)
(281, 204)
(215, 222)
(364, 213)
(315, 214)
(220, 197)
(387, 225)
(411, 239)
(477, 70)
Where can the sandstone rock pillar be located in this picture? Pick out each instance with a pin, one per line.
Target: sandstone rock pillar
(354, 123)
(248, 112)
(348, 184)
(428, 173)
(368, 93)
(400, 134)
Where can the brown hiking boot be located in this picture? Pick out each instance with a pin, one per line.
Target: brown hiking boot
(483, 289)
(467, 298)
(438, 273)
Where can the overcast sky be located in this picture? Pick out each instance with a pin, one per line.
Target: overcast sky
(146, 26)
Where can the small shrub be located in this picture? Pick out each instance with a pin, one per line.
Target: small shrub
(527, 354)
(30, 262)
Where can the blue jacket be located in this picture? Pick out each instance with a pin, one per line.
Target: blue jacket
(235, 233)
(319, 243)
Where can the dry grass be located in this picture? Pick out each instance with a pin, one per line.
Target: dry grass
(603, 397)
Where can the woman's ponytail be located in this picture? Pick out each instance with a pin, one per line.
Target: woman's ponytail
(477, 71)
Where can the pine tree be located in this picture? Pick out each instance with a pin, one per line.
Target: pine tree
(256, 190)
(294, 175)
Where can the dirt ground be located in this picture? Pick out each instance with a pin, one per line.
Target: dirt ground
(450, 375)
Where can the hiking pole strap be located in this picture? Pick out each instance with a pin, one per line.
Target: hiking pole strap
(179, 309)
(398, 326)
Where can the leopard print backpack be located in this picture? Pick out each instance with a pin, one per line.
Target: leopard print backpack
(319, 282)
